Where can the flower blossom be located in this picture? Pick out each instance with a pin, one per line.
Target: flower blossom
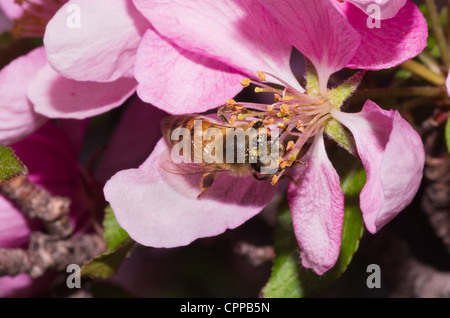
(33, 90)
(196, 50)
(51, 158)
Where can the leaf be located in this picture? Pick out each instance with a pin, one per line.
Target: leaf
(447, 134)
(107, 264)
(289, 279)
(113, 233)
(338, 95)
(10, 165)
(338, 133)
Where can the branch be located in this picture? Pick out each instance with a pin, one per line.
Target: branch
(45, 253)
(55, 247)
(38, 203)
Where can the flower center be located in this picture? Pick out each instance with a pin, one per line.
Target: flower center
(36, 15)
(299, 115)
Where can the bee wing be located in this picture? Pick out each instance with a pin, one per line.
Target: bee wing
(166, 163)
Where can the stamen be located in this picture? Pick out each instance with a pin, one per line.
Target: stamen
(262, 76)
(275, 180)
(230, 102)
(290, 145)
(245, 82)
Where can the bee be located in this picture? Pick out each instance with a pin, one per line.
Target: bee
(256, 154)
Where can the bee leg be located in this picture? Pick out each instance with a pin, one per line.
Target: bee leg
(259, 178)
(206, 182)
(304, 164)
(285, 175)
(221, 114)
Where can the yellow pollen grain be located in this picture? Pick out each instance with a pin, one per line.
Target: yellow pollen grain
(261, 76)
(270, 108)
(268, 121)
(281, 125)
(274, 180)
(286, 119)
(245, 82)
(286, 164)
(280, 114)
(238, 108)
(259, 90)
(231, 102)
(277, 97)
(290, 145)
(285, 109)
(288, 97)
(293, 157)
(240, 116)
(300, 126)
(232, 119)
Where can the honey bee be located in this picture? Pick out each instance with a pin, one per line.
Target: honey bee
(257, 154)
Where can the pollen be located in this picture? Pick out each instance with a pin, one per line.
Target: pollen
(275, 180)
(245, 82)
(290, 145)
(286, 164)
(232, 119)
(262, 76)
(277, 97)
(285, 109)
(281, 125)
(270, 108)
(231, 102)
(268, 121)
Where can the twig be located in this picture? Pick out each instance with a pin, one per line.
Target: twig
(423, 72)
(38, 203)
(45, 253)
(438, 32)
(53, 249)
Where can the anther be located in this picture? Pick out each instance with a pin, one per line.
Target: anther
(290, 145)
(262, 76)
(245, 82)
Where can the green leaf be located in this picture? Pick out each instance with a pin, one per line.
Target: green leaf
(338, 95)
(312, 79)
(447, 134)
(113, 233)
(289, 279)
(335, 130)
(107, 264)
(10, 165)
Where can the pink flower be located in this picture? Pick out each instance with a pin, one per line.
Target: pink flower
(193, 57)
(50, 157)
(33, 91)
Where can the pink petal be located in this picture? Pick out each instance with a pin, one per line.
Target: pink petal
(396, 41)
(387, 8)
(23, 285)
(179, 81)
(318, 31)
(392, 154)
(58, 97)
(161, 209)
(16, 112)
(11, 9)
(317, 205)
(104, 46)
(14, 227)
(133, 140)
(241, 34)
(5, 23)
